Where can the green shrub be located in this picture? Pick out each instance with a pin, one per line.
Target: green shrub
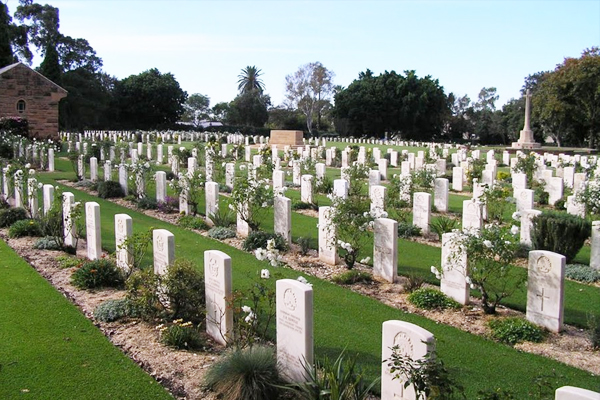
(513, 330)
(147, 203)
(258, 239)
(300, 205)
(304, 243)
(181, 335)
(184, 287)
(224, 218)
(341, 379)
(220, 233)
(245, 374)
(97, 273)
(3, 203)
(406, 230)
(430, 299)
(25, 227)
(110, 189)
(192, 222)
(582, 273)
(113, 310)
(47, 243)
(413, 282)
(324, 186)
(560, 205)
(443, 225)
(352, 276)
(142, 290)
(11, 215)
(559, 232)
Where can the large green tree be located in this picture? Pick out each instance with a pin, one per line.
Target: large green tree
(149, 100)
(196, 109)
(249, 80)
(249, 108)
(406, 106)
(13, 40)
(486, 121)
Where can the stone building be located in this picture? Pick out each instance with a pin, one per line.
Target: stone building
(28, 94)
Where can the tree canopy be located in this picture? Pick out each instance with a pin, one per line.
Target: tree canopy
(248, 80)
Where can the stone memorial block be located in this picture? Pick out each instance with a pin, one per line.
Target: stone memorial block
(394, 158)
(377, 196)
(93, 232)
(340, 188)
(68, 224)
(327, 240)
(545, 289)
(385, 249)
(578, 180)
(134, 156)
(32, 196)
(440, 166)
(422, 211)
(140, 148)
(408, 340)
(294, 319)
(524, 198)
(519, 181)
(376, 154)
(554, 188)
(211, 193)
(123, 179)
(159, 154)
(161, 186)
(472, 217)
(229, 175)
(411, 160)
(306, 189)
(48, 197)
(569, 176)
(163, 243)
(107, 170)
(184, 207)
(595, 248)
(286, 138)
(457, 179)
(575, 393)
(283, 217)
(224, 150)
(441, 195)
(505, 158)
(257, 160)
(487, 177)
(218, 289)
(454, 269)
(123, 230)
(419, 162)
(374, 177)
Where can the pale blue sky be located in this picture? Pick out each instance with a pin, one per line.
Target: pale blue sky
(466, 45)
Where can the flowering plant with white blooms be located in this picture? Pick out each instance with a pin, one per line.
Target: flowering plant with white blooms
(589, 196)
(193, 185)
(251, 200)
(271, 254)
(491, 253)
(140, 174)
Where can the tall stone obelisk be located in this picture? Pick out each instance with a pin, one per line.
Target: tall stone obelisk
(526, 140)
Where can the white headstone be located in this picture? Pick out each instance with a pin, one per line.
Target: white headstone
(575, 393)
(595, 246)
(422, 211)
(123, 230)
(93, 232)
(545, 289)
(340, 188)
(69, 226)
(409, 340)
(385, 249)
(519, 181)
(524, 198)
(242, 227)
(93, 169)
(123, 179)
(48, 197)
(294, 302)
(454, 269)
(472, 217)
(457, 179)
(163, 243)
(526, 225)
(306, 190)
(229, 175)
(327, 245)
(441, 195)
(51, 159)
(211, 194)
(218, 289)
(283, 217)
(554, 187)
(161, 186)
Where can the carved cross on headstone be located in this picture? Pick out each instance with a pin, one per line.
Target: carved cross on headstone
(542, 297)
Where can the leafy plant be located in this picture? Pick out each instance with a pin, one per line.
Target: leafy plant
(222, 217)
(184, 287)
(338, 380)
(192, 222)
(430, 299)
(136, 246)
(220, 233)
(582, 273)
(258, 239)
(114, 309)
(181, 335)
(251, 199)
(559, 232)
(171, 204)
(407, 230)
(110, 190)
(413, 282)
(25, 227)
(304, 243)
(147, 203)
(97, 273)
(69, 262)
(443, 225)
(513, 330)
(495, 199)
(245, 374)
(11, 215)
(142, 291)
(47, 243)
(352, 276)
(300, 205)
(594, 330)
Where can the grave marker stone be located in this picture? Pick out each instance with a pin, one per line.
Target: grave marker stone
(211, 193)
(575, 393)
(283, 217)
(545, 289)
(218, 289)
(472, 217)
(385, 249)
(163, 243)
(595, 248)
(161, 186)
(441, 195)
(93, 232)
(306, 190)
(123, 230)
(48, 197)
(422, 211)
(327, 245)
(68, 225)
(454, 269)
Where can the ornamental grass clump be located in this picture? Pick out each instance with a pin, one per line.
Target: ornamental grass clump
(181, 335)
(560, 233)
(245, 374)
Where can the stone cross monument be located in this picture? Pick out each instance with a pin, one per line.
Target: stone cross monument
(526, 140)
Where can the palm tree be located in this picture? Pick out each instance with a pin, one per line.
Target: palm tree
(249, 80)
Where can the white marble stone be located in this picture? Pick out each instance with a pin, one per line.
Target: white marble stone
(385, 249)
(526, 225)
(123, 176)
(48, 197)
(454, 269)
(93, 231)
(545, 289)
(161, 186)
(340, 188)
(524, 199)
(283, 217)
(69, 227)
(554, 188)
(306, 189)
(441, 195)
(595, 246)
(327, 245)
(218, 290)
(472, 217)
(123, 230)
(457, 179)
(211, 193)
(422, 211)
(163, 243)
(575, 393)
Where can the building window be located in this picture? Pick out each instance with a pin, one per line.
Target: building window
(21, 106)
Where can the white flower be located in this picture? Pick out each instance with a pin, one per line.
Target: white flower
(365, 260)
(260, 254)
(303, 280)
(433, 270)
(487, 244)
(468, 280)
(514, 229)
(250, 318)
(28, 165)
(246, 309)
(516, 216)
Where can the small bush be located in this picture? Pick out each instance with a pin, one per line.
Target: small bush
(25, 227)
(560, 205)
(97, 273)
(47, 243)
(192, 222)
(430, 299)
(11, 215)
(110, 189)
(351, 277)
(3, 203)
(147, 203)
(582, 273)
(443, 225)
(69, 262)
(181, 335)
(513, 330)
(113, 310)
(258, 239)
(170, 205)
(248, 374)
(304, 243)
(223, 218)
(184, 287)
(559, 232)
(406, 230)
(413, 282)
(220, 233)
(142, 290)
(300, 205)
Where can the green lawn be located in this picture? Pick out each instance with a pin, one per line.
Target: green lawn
(344, 319)
(51, 351)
